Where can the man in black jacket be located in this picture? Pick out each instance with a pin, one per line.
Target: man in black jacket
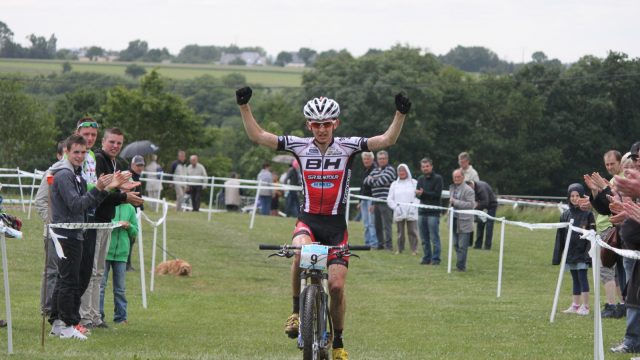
(429, 191)
(485, 201)
(106, 163)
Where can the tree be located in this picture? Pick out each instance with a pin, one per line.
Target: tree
(157, 55)
(76, 105)
(307, 55)
(473, 59)
(539, 57)
(136, 50)
(283, 58)
(94, 52)
(135, 70)
(66, 67)
(151, 113)
(28, 140)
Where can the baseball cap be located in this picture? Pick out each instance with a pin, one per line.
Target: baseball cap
(137, 160)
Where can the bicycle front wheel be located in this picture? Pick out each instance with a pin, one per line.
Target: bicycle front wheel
(312, 324)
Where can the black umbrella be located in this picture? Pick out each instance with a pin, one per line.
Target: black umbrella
(142, 147)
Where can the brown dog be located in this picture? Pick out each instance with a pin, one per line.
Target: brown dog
(174, 267)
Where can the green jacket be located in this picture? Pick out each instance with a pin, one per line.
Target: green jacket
(119, 246)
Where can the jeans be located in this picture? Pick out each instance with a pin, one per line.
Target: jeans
(65, 303)
(632, 334)
(369, 222)
(119, 298)
(265, 204)
(461, 243)
(90, 301)
(292, 204)
(384, 224)
(489, 226)
(430, 232)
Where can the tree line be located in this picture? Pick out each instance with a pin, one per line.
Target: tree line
(470, 59)
(532, 132)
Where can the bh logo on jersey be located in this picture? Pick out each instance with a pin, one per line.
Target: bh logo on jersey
(318, 164)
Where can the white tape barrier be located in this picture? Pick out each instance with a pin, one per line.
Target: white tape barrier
(155, 225)
(74, 226)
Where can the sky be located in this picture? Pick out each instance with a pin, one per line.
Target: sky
(562, 29)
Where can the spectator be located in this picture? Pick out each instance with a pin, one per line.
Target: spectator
(402, 193)
(380, 180)
(179, 170)
(51, 258)
(461, 197)
(106, 163)
(136, 167)
(612, 277)
(154, 182)
(232, 198)
(486, 201)
(470, 174)
(70, 201)
(264, 195)
(276, 195)
(293, 178)
(578, 254)
(116, 259)
(365, 205)
(429, 191)
(198, 175)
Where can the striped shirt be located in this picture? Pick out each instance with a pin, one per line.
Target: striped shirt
(380, 180)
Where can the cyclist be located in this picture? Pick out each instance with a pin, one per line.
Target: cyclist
(325, 163)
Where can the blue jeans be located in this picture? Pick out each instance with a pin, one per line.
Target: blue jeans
(383, 224)
(430, 232)
(119, 298)
(369, 222)
(461, 243)
(632, 334)
(265, 204)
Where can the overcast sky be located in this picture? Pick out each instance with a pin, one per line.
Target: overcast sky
(563, 29)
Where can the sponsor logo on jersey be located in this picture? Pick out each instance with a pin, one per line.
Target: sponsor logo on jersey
(313, 151)
(322, 185)
(323, 177)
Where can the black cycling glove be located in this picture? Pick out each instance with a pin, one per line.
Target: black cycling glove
(243, 95)
(402, 104)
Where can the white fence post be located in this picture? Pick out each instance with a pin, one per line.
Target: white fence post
(562, 264)
(213, 187)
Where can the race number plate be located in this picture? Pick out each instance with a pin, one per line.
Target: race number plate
(314, 257)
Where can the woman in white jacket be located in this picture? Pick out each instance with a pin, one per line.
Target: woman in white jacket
(401, 193)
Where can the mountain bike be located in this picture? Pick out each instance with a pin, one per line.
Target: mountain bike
(316, 327)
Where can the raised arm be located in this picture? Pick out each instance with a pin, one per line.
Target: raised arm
(254, 131)
(391, 135)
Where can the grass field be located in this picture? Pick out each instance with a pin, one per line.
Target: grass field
(235, 304)
(266, 75)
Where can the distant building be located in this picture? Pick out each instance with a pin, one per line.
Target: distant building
(250, 58)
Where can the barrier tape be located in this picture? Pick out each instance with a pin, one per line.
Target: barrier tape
(74, 226)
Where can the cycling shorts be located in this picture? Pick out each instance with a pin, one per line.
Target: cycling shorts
(329, 230)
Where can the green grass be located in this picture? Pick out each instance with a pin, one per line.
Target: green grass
(264, 75)
(235, 305)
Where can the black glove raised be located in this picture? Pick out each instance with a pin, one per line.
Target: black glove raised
(243, 95)
(402, 104)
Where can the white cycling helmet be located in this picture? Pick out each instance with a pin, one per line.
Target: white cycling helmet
(320, 109)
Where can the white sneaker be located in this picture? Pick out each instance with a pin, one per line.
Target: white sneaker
(56, 327)
(573, 309)
(583, 310)
(70, 332)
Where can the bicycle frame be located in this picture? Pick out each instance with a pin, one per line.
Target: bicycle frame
(316, 326)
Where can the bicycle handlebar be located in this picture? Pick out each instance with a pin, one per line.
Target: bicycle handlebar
(279, 247)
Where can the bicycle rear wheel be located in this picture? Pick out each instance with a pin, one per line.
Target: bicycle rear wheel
(312, 324)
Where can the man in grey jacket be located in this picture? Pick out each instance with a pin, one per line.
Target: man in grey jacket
(70, 201)
(51, 258)
(461, 197)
